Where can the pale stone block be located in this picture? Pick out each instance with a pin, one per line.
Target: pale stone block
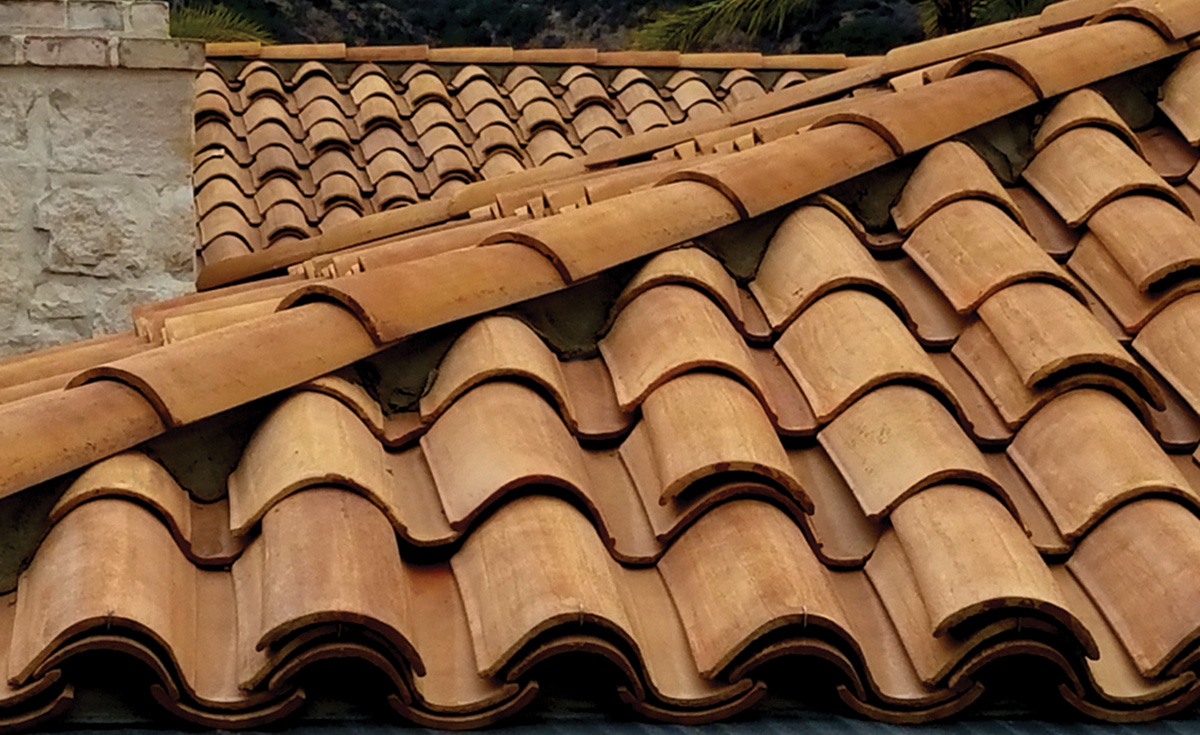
(117, 226)
(66, 51)
(95, 16)
(59, 300)
(32, 15)
(17, 103)
(149, 19)
(115, 301)
(8, 51)
(161, 53)
(127, 121)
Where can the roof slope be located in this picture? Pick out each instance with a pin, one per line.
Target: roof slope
(904, 383)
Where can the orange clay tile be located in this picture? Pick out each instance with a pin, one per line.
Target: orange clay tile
(929, 315)
(1085, 168)
(1138, 565)
(688, 266)
(935, 112)
(971, 249)
(767, 578)
(1168, 153)
(669, 330)
(200, 529)
(1174, 19)
(765, 177)
(592, 239)
(28, 456)
(953, 45)
(1056, 63)
(842, 534)
(1170, 342)
(1084, 107)
(811, 253)
(1132, 307)
(897, 440)
(484, 279)
(1150, 239)
(536, 563)
(301, 344)
(847, 343)
(700, 424)
(1045, 225)
(1180, 93)
(1113, 459)
(1114, 675)
(1040, 348)
(960, 533)
(948, 173)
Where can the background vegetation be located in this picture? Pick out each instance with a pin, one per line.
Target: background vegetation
(772, 26)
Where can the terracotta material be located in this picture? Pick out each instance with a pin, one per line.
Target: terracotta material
(1045, 225)
(1179, 95)
(1060, 62)
(948, 173)
(812, 252)
(897, 440)
(1086, 168)
(690, 266)
(1132, 307)
(1174, 19)
(1084, 107)
(1149, 238)
(972, 249)
(847, 343)
(1136, 565)
(1168, 153)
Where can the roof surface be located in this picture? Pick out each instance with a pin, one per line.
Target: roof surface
(901, 382)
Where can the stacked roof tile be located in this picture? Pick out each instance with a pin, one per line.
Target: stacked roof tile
(905, 383)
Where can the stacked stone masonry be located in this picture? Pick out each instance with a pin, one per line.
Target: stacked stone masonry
(95, 159)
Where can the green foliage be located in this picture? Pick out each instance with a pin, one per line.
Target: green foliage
(941, 17)
(696, 25)
(215, 23)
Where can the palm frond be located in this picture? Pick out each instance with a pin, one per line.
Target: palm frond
(686, 28)
(215, 23)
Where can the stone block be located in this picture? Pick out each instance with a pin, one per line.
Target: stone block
(66, 51)
(95, 16)
(124, 120)
(115, 301)
(161, 53)
(17, 109)
(117, 226)
(8, 51)
(32, 15)
(148, 19)
(61, 300)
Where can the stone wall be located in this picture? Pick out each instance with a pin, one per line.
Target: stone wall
(96, 136)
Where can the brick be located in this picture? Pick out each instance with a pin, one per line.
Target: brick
(95, 16)
(149, 19)
(161, 53)
(32, 15)
(66, 51)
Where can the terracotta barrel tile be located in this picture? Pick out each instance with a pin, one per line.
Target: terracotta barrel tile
(352, 575)
(1168, 153)
(928, 313)
(1058, 62)
(1139, 565)
(110, 562)
(667, 331)
(1181, 97)
(765, 177)
(897, 440)
(842, 534)
(1040, 348)
(1149, 238)
(1085, 168)
(766, 578)
(497, 347)
(935, 112)
(438, 289)
(1170, 342)
(1047, 227)
(847, 343)
(969, 555)
(948, 173)
(602, 235)
(702, 424)
(1084, 107)
(971, 249)
(687, 266)
(1085, 454)
(534, 564)
(309, 439)
(1176, 20)
(811, 253)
